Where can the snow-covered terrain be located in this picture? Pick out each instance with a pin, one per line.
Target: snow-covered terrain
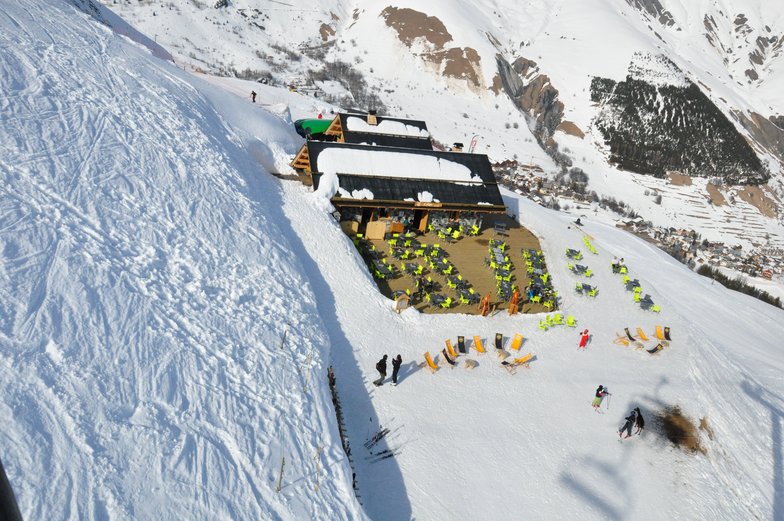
(438, 62)
(168, 311)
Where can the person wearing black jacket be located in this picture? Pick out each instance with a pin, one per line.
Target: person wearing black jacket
(628, 425)
(381, 367)
(396, 363)
(640, 423)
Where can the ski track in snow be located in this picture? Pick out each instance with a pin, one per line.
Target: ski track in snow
(151, 269)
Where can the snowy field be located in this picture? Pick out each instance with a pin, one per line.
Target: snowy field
(168, 311)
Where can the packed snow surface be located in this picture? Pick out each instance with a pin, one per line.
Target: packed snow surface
(168, 311)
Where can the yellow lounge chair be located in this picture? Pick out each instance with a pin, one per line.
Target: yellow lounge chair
(430, 363)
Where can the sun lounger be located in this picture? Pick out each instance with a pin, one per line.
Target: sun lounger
(621, 341)
(517, 362)
(656, 350)
(451, 361)
(430, 363)
(629, 335)
(660, 333)
(450, 349)
(517, 341)
(461, 346)
(667, 334)
(478, 344)
(499, 341)
(641, 334)
(470, 364)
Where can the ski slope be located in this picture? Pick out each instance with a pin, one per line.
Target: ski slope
(168, 311)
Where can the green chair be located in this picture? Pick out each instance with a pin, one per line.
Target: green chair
(592, 293)
(571, 321)
(558, 319)
(655, 308)
(447, 303)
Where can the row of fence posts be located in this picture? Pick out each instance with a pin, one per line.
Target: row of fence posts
(305, 378)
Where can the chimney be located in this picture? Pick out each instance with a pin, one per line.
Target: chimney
(371, 117)
(457, 147)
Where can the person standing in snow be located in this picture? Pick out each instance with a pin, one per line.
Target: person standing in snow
(396, 363)
(584, 337)
(601, 392)
(628, 425)
(253, 96)
(381, 367)
(640, 422)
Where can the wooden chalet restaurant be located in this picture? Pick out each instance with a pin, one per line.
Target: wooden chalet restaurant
(425, 220)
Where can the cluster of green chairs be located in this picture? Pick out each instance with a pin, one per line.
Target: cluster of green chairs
(502, 267)
(574, 254)
(537, 273)
(586, 289)
(580, 270)
(557, 319)
(589, 245)
(645, 301)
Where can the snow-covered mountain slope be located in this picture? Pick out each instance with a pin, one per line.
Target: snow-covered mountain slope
(168, 310)
(147, 282)
(517, 73)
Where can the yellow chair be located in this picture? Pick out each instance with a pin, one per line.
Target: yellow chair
(478, 345)
(517, 341)
(430, 363)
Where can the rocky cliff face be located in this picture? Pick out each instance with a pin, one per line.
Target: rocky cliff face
(534, 95)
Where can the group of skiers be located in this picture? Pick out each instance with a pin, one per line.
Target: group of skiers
(381, 367)
(634, 419)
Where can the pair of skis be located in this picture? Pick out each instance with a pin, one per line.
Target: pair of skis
(381, 456)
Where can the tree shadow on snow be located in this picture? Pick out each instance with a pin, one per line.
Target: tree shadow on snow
(775, 405)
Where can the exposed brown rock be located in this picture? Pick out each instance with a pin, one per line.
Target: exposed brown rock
(496, 87)
(678, 179)
(462, 64)
(765, 132)
(411, 25)
(334, 17)
(570, 128)
(716, 197)
(326, 31)
(758, 198)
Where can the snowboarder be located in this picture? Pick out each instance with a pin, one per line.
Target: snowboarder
(577, 222)
(584, 338)
(640, 422)
(381, 367)
(628, 425)
(253, 96)
(601, 392)
(396, 363)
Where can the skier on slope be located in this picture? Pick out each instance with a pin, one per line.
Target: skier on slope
(640, 422)
(601, 392)
(396, 362)
(381, 367)
(628, 425)
(253, 96)
(584, 338)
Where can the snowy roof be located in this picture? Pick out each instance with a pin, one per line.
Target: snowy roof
(385, 125)
(390, 174)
